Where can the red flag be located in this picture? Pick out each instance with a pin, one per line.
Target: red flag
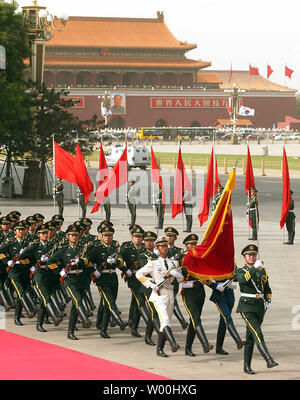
(63, 164)
(208, 191)
(82, 177)
(269, 71)
(249, 178)
(102, 174)
(286, 194)
(288, 72)
(116, 178)
(156, 177)
(181, 183)
(214, 257)
(253, 70)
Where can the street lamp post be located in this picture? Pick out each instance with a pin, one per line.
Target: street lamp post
(234, 106)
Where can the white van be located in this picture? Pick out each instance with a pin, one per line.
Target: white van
(138, 156)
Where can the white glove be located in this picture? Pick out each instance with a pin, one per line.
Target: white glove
(96, 274)
(175, 273)
(21, 251)
(75, 262)
(220, 287)
(258, 264)
(63, 273)
(110, 260)
(268, 304)
(17, 262)
(32, 269)
(10, 263)
(154, 287)
(188, 285)
(129, 273)
(44, 258)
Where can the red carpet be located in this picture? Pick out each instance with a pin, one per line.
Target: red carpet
(23, 358)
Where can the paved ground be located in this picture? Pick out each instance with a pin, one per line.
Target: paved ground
(281, 326)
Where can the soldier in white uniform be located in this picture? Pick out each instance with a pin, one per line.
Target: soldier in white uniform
(162, 296)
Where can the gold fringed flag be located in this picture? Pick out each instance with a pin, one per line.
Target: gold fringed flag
(214, 257)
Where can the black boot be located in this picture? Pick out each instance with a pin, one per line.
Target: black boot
(105, 322)
(171, 339)
(118, 320)
(18, 313)
(266, 355)
(179, 316)
(57, 306)
(4, 300)
(28, 307)
(220, 340)
(189, 341)
(86, 323)
(99, 316)
(51, 311)
(40, 319)
(203, 339)
(135, 324)
(32, 299)
(148, 335)
(236, 337)
(72, 323)
(161, 344)
(248, 351)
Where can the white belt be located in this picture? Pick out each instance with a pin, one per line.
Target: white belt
(255, 296)
(165, 286)
(108, 271)
(76, 271)
(291, 211)
(252, 208)
(43, 266)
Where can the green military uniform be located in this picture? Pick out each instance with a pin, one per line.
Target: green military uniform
(193, 296)
(217, 197)
(19, 274)
(188, 209)
(131, 201)
(255, 298)
(159, 208)
(106, 258)
(82, 203)
(59, 196)
(290, 222)
(8, 234)
(43, 281)
(131, 256)
(253, 214)
(60, 219)
(71, 256)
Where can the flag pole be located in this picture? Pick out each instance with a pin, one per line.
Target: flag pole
(126, 182)
(78, 193)
(153, 196)
(53, 150)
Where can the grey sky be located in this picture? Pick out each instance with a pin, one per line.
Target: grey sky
(256, 32)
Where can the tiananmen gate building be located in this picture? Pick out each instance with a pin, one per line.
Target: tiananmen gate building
(150, 77)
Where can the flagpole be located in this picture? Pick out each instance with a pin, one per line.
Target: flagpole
(182, 178)
(53, 150)
(126, 182)
(78, 199)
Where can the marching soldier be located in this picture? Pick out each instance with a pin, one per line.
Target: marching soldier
(162, 272)
(5, 233)
(188, 209)
(131, 201)
(253, 213)
(69, 263)
(217, 196)
(175, 252)
(39, 219)
(59, 223)
(59, 196)
(19, 271)
(159, 209)
(255, 299)
(31, 234)
(290, 222)
(131, 253)
(105, 255)
(38, 254)
(193, 295)
(82, 203)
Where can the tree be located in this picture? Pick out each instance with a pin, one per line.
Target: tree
(15, 102)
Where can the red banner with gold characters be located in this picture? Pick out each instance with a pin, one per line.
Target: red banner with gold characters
(188, 102)
(214, 257)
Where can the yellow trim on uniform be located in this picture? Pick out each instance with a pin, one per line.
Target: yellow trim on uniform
(2, 255)
(192, 319)
(106, 299)
(39, 290)
(86, 261)
(150, 307)
(143, 279)
(220, 311)
(159, 314)
(52, 266)
(136, 299)
(76, 302)
(247, 276)
(243, 315)
(24, 262)
(13, 282)
(121, 262)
